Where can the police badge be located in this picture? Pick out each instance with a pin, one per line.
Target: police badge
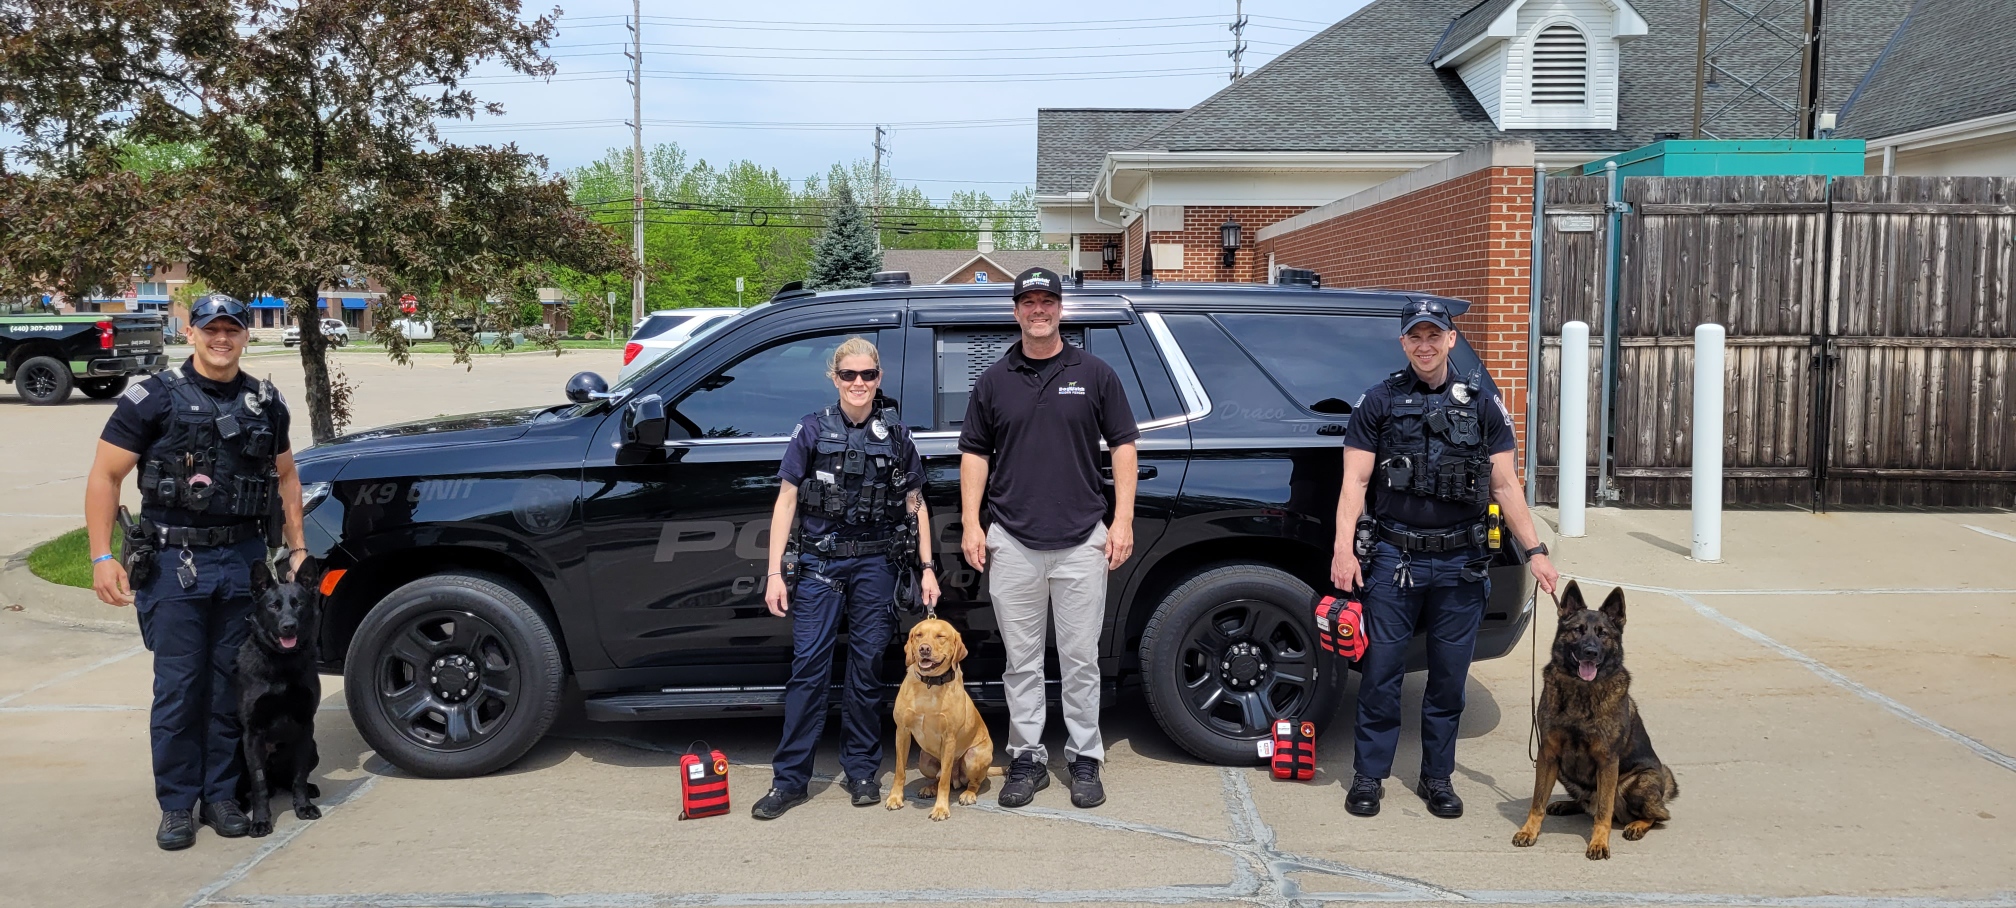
(881, 431)
(1460, 391)
(252, 403)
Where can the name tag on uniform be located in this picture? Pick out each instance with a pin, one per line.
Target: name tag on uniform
(1072, 388)
(823, 476)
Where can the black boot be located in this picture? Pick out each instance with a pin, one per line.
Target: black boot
(1363, 801)
(772, 805)
(1026, 777)
(1085, 788)
(226, 818)
(178, 830)
(865, 792)
(1441, 798)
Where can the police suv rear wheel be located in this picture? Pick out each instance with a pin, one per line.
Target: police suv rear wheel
(454, 675)
(1229, 652)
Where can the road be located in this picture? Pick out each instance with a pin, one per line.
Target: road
(1835, 699)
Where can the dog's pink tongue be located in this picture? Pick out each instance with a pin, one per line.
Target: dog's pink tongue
(288, 643)
(1587, 670)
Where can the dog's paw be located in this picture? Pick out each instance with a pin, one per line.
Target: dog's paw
(1524, 839)
(941, 812)
(308, 812)
(1598, 851)
(894, 801)
(1564, 808)
(260, 827)
(969, 798)
(1636, 831)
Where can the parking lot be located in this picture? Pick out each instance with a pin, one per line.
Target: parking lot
(1835, 699)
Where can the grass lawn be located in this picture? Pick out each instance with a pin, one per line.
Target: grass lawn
(66, 559)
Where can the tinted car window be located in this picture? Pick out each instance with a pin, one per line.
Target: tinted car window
(963, 352)
(659, 324)
(1105, 344)
(1318, 358)
(763, 394)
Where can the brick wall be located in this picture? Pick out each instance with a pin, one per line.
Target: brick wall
(1203, 245)
(1468, 237)
(1088, 253)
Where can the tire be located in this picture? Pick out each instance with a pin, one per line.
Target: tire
(450, 725)
(1230, 651)
(44, 381)
(102, 388)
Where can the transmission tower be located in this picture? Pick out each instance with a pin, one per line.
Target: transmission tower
(1757, 69)
(1238, 30)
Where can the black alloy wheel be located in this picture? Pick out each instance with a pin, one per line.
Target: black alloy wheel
(43, 381)
(454, 675)
(1230, 652)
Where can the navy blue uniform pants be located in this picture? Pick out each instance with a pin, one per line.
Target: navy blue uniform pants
(864, 591)
(194, 634)
(1447, 608)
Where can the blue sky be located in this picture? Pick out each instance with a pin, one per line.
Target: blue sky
(927, 68)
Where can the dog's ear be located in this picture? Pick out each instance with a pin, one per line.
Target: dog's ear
(1571, 600)
(960, 656)
(262, 577)
(309, 573)
(1613, 607)
(910, 650)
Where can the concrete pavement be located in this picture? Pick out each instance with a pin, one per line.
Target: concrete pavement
(1834, 699)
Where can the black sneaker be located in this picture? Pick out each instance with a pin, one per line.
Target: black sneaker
(866, 792)
(178, 830)
(1085, 788)
(772, 805)
(1363, 800)
(1441, 798)
(1026, 777)
(225, 817)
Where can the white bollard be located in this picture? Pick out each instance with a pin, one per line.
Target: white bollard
(1573, 487)
(1707, 464)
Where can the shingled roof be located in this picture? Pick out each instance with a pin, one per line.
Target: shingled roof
(1944, 64)
(1365, 84)
(1469, 25)
(929, 266)
(1072, 143)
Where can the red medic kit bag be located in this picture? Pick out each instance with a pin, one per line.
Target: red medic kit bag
(703, 783)
(1340, 627)
(1294, 750)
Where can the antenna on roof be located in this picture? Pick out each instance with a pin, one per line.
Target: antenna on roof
(1238, 30)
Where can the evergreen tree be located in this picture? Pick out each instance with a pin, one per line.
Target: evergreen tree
(846, 255)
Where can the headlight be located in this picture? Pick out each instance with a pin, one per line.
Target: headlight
(312, 494)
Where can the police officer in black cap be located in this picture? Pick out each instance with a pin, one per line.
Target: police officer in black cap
(217, 488)
(1436, 451)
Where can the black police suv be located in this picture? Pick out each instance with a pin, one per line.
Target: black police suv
(476, 562)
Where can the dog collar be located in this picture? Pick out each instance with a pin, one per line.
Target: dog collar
(935, 681)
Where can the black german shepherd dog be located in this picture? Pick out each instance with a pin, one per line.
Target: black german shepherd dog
(278, 693)
(1591, 737)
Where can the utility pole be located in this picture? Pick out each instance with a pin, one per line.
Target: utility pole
(1809, 71)
(877, 202)
(636, 55)
(1238, 29)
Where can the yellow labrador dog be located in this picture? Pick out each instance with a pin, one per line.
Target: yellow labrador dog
(932, 707)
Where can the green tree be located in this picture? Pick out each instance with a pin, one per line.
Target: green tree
(845, 255)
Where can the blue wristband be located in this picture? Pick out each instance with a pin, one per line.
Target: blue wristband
(104, 557)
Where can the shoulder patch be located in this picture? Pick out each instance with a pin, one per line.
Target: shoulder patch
(1501, 407)
(136, 393)
(796, 430)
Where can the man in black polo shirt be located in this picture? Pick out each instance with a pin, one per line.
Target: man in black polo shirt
(1030, 448)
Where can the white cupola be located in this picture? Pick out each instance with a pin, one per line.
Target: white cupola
(1541, 64)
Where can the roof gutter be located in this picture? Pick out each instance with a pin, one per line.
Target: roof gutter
(1102, 187)
(1948, 133)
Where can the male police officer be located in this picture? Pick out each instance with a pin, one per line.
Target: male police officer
(215, 478)
(1435, 449)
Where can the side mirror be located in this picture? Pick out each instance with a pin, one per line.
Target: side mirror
(644, 422)
(586, 386)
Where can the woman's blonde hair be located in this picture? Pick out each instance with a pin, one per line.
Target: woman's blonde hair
(853, 346)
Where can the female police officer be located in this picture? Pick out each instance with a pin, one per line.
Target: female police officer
(211, 445)
(857, 474)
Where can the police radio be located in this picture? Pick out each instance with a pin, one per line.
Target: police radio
(703, 783)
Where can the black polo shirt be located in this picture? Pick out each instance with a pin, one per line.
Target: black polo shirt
(1368, 423)
(141, 414)
(1039, 423)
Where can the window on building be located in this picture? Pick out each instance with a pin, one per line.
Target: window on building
(1560, 66)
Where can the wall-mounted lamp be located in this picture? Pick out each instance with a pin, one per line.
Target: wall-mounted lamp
(1228, 236)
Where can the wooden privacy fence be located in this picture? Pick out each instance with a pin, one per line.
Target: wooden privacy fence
(1871, 327)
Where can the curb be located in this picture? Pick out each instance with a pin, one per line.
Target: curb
(50, 603)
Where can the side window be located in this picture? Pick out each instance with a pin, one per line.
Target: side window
(1323, 362)
(963, 353)
(1105, 344)
(764, 394)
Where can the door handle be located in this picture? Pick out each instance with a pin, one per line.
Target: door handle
(1145, 472)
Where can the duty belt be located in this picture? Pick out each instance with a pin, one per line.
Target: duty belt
(178, 537)
(848, 548)
(1442, 541)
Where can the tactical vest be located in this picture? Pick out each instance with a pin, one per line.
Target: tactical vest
(856, 475)
(1433, 445)
(213, 457)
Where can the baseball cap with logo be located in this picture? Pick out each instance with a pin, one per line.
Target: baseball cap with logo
(1424, 310)
(1038, 279)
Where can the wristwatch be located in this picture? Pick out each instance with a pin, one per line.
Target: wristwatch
(1540, 549)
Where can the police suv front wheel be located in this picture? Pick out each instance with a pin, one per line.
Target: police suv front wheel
(1229, 652)
(454, 675)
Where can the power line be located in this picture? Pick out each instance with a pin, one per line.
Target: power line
(859, 78)
(809, 54)
(734, 124)
(900, 29)
(1010, 54)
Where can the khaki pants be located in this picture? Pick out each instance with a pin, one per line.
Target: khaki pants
(1028, 588)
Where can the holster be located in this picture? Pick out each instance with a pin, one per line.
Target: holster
(139, 549)
(790, 566)
(903, 555)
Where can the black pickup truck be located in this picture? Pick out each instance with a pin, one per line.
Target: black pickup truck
(45, 356)
(477, 562)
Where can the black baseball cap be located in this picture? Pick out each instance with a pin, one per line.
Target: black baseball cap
(213, 306)
(1039, 279)
(1425, 310)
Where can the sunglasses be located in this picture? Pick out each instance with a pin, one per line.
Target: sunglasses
(227, 308)
(850, 375)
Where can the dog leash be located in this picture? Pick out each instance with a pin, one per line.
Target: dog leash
(1533, 685)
